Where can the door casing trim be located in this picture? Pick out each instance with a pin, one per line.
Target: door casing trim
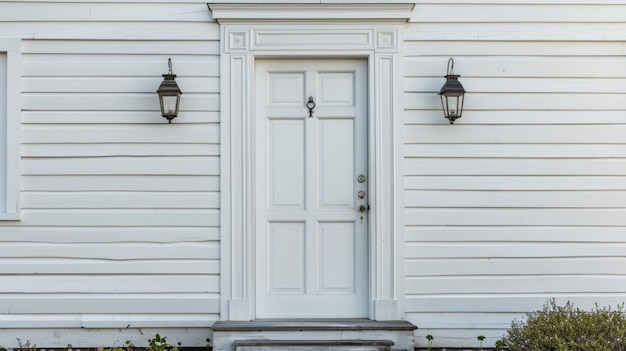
(243, 41)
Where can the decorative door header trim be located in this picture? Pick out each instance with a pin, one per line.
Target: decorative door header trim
(272, 38)
(383, 11)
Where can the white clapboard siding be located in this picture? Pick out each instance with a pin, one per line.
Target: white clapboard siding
(118, 149)
(102, 12)
(113, 251)
(111, 30)
(458, 320)
(531, 183)
(120, 200)
(546, 150)
(546, 284)
(184, 265)
(484, 166)
(126, 134)
(120, 210)
(519, 117)
(108, 320)
(516, 199)
(122, 218)
(200, 165)
(542, 250)
(525, 13)
(34, 304)
(505, 303)
(611, 31)
(559, 234)
(119, 183)
(81, 85)
(522, 85)
(109, 284)
(516, 217)
(602, 264)
(521, 101)
(181, 46)
(115, 65)
(484, 66)
(518, 134)
(112, 102)
(495, 49)
(522, 200)
(115, 117)
(108, 234)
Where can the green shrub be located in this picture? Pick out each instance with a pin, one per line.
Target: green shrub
(159, 343)
(565, 328)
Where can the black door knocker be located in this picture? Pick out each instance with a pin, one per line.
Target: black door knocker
(310, 105)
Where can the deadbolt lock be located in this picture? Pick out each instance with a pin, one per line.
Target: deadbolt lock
(361, 178)
(361, 194)
(362, 208)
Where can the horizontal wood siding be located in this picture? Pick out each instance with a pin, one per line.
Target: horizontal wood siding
(524, 198)
(120, 210)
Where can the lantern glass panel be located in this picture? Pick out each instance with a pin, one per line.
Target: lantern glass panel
(454, 105)
(169, 104)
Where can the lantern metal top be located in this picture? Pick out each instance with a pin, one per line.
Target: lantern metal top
(452, 86)
(169, 86)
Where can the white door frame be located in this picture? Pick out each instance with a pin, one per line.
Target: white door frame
(372, 31)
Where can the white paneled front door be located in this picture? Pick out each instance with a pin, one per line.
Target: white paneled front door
(311, 188)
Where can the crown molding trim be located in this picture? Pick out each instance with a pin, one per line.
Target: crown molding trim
(388, 12)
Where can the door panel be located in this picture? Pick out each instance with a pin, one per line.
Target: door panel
(336, 164)
(336, 258)
(311, 240)
(286, 273)
(286, 164)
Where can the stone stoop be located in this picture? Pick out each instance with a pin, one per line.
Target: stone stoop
(312, 345)
(313, 335)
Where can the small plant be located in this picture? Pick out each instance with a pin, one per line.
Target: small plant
(159, 343)
(480, 340)
(129, 347)
(568, 328)
(25, 346)
(430, 342)
(500, 345)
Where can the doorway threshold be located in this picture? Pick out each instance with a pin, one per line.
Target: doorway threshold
(316, 324)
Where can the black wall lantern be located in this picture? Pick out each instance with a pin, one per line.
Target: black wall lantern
(452, 94)
(169, 95)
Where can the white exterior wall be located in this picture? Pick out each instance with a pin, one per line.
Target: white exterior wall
(520, 201)
(120, 211)
(523, 199)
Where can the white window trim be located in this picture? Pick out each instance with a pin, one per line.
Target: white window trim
(372, 31)
(12, 48)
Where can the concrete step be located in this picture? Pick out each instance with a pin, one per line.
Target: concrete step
(312, 345)
(313, 335)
